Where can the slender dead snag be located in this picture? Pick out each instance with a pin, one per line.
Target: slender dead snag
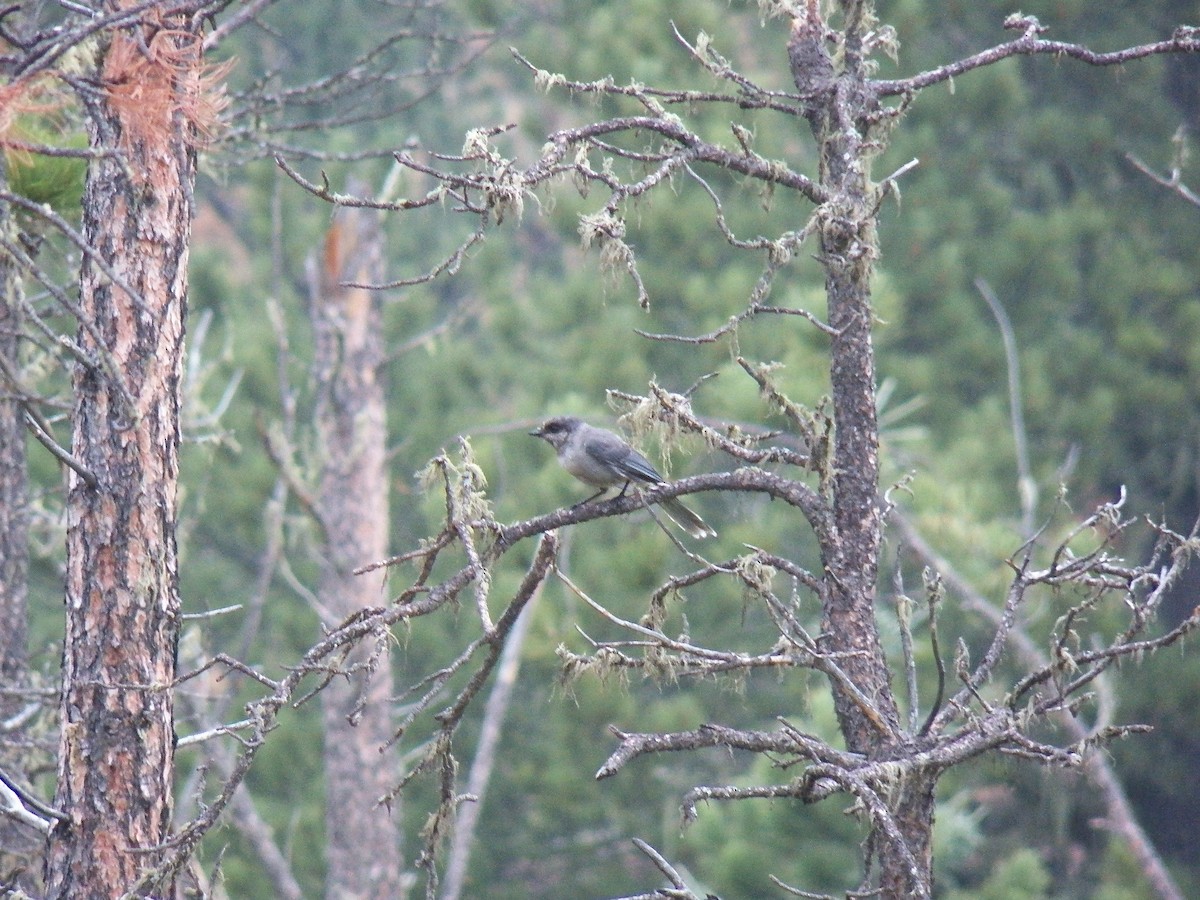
(362, 834)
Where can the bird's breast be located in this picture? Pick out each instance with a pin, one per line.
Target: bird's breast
(588, 470)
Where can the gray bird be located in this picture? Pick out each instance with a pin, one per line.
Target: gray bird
(602, 459)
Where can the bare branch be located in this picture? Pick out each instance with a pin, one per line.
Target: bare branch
(661, 864)
(248, 12)
(787, 742)
(1184, 40)
(750, 96)
(11, 806)
(1121, 817)
(36, 426)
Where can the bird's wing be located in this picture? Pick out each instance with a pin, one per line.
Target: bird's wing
(614, 452)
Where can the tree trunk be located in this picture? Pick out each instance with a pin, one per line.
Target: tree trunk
(116, 751)
(841, 110)
(362, 836)
(837, 112)
(901, 868)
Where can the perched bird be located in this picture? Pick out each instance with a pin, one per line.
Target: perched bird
(602, 459)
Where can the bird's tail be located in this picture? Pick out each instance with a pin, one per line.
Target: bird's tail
(686, 519)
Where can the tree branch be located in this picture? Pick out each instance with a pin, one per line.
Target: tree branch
(1184, 40)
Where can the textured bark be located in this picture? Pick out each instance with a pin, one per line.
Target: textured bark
(362, 836)
(837, 110)
(841, 108)
(116, 752)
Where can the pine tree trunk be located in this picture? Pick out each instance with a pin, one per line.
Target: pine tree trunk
(116, 752)
(362, 836)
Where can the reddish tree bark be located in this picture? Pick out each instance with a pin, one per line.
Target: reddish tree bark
(362, 836)
(116, 753)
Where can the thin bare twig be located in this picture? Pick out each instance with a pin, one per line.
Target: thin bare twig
(1027, 488)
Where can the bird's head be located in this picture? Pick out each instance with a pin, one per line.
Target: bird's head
(557, 431)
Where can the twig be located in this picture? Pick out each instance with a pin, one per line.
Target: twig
(661, 864)
(494, 713)
(59, 452)
(904, 607)
(1174, 181)
(1027, 488)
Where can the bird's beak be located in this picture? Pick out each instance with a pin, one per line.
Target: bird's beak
(538, 432)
